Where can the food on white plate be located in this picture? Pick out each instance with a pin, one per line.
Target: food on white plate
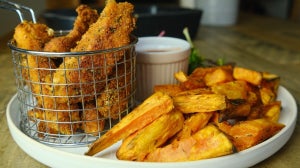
(223, 113)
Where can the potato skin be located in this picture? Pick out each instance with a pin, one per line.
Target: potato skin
(209, 142)
(138, 145)
(151, 109)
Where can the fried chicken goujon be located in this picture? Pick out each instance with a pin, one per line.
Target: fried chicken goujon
(86, 75)
(86, 17)
(33, 36)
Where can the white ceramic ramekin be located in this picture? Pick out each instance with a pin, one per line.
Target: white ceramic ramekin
(158, 59)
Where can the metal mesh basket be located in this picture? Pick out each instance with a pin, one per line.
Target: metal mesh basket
(73, 98)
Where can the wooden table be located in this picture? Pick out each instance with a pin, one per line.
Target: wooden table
(260, 43)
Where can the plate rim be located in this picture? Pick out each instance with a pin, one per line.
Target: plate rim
(76, 159)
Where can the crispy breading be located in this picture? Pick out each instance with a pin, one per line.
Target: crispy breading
(86, 75)
(79, 79)
(33, 36)
(61, 120)
(113, 100)
(93, 120)
(86, 17)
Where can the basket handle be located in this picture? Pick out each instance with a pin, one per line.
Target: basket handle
(19, 9)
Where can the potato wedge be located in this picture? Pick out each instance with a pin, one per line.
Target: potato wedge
(196, 79)
(219, 75)
(271, 111)
(181, 76)
(236, 109)
(170, 89)
(209, 142)
(137, 146)
(269, 87)
(232, 90)
(267, 95)
(200, 103)
(202, 77)
(251, 76)
(195, 92)
(252, 132)
(193, 124)
(151, 109)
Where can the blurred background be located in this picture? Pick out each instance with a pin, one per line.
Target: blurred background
(284, 9)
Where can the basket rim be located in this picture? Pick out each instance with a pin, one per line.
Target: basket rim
(13, 47)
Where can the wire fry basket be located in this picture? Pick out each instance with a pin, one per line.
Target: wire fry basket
(72, 98)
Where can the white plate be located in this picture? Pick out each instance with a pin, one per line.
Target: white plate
(73, 157)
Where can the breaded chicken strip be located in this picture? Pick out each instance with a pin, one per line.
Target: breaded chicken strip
(86, 75)
(93, 120)
(113, 100)
(86, 17)
(33, 36)
(61, 120)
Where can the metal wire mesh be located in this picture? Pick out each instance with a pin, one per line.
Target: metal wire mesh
(73, 98)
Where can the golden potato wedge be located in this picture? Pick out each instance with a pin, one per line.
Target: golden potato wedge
(235, 109)
(232, 90)
(270, 77)
(267, 95)
(252, 132)
(224, 126)
(196, 79)
(219, 75)
(256, 112)
(181, 76)
(251, 76)
(169, 89)
(209, 142)
(193, 124)
(193, 83)
(152, 108)
(253, 98)
(200, 103)
(272, 111)
(137, 146)
(195, 92)
(200, 72)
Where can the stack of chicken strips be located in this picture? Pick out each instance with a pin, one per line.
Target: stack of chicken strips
(77, 93)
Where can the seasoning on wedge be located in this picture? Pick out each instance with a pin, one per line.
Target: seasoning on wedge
(138, 145)
(200, 103)
(209, 142)
(151, 109)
